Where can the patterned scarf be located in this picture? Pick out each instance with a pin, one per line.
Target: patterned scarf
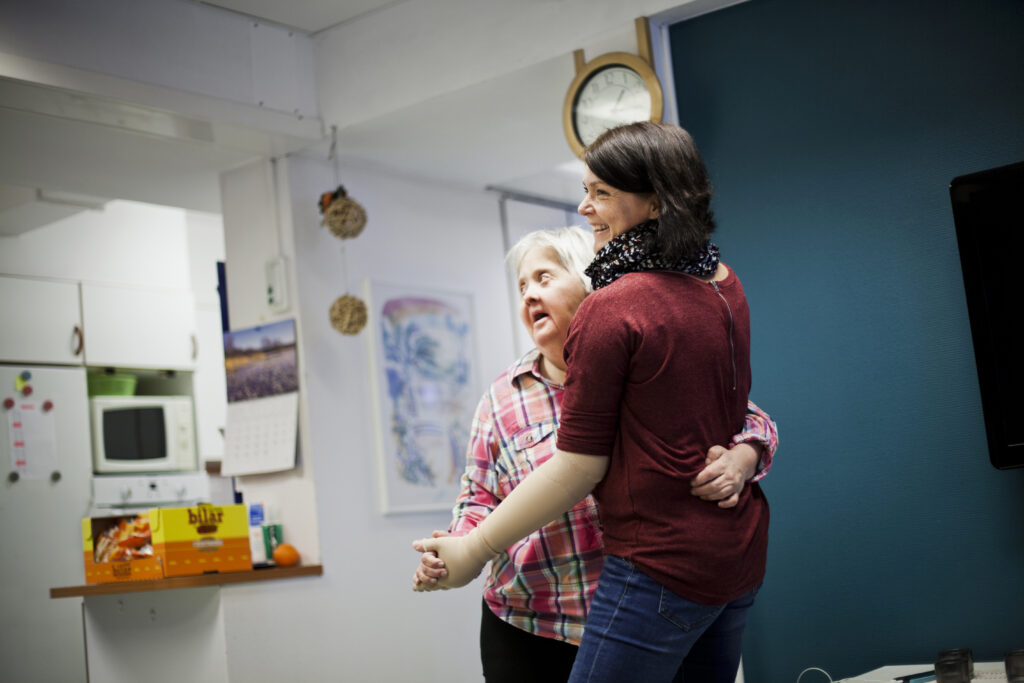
(627, 253)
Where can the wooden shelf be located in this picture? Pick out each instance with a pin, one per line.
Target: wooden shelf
(268, 574)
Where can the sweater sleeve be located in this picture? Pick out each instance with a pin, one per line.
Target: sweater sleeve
(597, 355)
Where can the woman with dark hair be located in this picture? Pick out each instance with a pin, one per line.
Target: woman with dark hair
(661, 163)
(658, 370)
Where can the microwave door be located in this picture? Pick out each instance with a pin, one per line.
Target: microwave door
(135, 436)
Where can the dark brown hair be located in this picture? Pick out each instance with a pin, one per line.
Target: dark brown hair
(648, 157)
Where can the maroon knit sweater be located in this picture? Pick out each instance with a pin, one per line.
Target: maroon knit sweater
(658, 372)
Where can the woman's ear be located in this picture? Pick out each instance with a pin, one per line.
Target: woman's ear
(653, 210)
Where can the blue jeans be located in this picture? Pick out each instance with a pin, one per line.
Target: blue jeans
(638, 630)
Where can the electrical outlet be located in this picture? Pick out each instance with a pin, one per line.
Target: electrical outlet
(277, 289)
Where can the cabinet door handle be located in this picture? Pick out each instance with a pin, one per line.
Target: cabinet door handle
(195, 347)
(79, 340)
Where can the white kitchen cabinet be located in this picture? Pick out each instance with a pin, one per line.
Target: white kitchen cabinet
(139, 328)
(40, 321)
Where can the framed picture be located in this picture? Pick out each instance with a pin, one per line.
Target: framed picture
(425, 391)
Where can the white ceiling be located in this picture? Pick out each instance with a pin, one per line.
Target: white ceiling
(310, 16)
(47, 150)
(460, 137)
(476, 135)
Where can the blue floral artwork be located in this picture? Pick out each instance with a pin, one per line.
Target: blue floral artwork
(426, 393)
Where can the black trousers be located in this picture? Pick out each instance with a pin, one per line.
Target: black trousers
(511, 655)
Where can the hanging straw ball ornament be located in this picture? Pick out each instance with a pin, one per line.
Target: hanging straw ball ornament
(348, 314)
(343, 216)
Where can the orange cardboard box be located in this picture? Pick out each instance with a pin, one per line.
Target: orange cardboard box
(201, 539)
(119, 549)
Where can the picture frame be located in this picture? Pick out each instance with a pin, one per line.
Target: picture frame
(424, 388)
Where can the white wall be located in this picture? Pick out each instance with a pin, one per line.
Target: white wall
(257, 229)
(361, 621)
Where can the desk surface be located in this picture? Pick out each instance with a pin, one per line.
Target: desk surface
(983, 671)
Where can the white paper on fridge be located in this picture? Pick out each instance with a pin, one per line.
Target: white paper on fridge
(260, 435)
(33, 436)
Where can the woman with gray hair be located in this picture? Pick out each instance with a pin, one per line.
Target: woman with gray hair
(538, 592)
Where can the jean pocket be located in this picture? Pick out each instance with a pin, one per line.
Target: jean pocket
(685, 614)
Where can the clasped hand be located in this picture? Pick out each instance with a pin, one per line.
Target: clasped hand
(450, 561)
(431, 568)
(725, 473)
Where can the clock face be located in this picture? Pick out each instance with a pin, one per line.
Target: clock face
(611, 97)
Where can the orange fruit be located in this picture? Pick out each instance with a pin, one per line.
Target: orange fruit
(285, 555)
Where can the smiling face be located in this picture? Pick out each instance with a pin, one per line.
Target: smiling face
(548, 298)
(611, 211)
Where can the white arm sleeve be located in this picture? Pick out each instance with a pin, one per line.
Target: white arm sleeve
(546, 493)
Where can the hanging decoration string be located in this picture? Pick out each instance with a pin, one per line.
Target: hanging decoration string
(345, 218)
(332, 156)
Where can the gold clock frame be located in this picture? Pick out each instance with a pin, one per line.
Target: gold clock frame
(584, 70)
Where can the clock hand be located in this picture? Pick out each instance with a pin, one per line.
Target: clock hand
(618, 100)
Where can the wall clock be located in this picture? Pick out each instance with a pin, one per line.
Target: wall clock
(610, 90)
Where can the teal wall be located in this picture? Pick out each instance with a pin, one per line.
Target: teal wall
(832, 130)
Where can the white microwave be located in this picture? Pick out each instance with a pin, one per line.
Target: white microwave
(142, 434)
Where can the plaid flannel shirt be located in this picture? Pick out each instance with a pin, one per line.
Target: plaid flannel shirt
(543, 583)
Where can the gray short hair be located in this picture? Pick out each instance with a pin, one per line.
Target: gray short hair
(573, 245)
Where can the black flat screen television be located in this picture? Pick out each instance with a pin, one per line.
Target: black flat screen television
(988, 210)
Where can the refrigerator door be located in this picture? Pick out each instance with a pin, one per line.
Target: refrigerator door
(44, 438)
